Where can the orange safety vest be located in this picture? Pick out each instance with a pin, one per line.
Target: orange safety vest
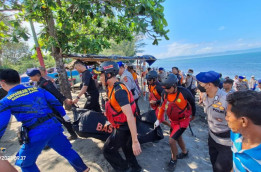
(113, 110)
(154, 95)
(174, 112)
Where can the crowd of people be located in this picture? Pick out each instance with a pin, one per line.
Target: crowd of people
(233, 111)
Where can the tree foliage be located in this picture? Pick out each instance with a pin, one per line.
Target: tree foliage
(125, 48)
(87, 26)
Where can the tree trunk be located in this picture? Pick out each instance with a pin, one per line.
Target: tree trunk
(63, 78)
(57, 54)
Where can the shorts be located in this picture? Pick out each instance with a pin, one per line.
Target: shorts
(178, 127)
(176, 132)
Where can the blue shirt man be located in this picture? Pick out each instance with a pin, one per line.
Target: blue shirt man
(31, 107)
(244, 119)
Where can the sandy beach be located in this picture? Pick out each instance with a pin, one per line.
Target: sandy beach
(153, 158)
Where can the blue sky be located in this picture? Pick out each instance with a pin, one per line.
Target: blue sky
(208, 26)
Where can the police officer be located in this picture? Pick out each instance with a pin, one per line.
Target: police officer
(127, 79)
(89, 88)
(120, 110)
(31, 107)
(179, 105)
(215, 106)
(155, 91)
(35, 75)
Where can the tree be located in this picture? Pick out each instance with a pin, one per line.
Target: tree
(125, 48)
(13, 52)
(87, 26)
(10, 29)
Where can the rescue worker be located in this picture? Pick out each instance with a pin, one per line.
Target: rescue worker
(120, 111)
(89, 88)
(32, 107)
(179, 105)
(155, 91)
(127, 79)
(35, 75)
(215, 106)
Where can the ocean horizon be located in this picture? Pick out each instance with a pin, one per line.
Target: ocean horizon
(241, 64)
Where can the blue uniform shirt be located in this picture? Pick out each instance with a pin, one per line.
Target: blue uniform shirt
(27, 104)
(245, 160)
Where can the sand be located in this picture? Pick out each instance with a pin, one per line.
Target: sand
(153, 158)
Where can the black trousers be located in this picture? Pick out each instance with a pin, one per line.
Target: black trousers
(92, 102)
(220, 156)
(120, 139)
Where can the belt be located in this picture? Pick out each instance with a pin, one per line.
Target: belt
(40, 121)
(222, 135)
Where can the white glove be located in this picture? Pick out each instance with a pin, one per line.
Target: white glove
(66, 118)
(156, 124)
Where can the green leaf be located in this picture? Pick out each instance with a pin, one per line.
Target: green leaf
(155, 42)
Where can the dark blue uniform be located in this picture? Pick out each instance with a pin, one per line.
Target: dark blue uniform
(28, 105)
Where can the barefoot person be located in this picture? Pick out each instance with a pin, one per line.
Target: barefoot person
(179, 105)
(32, 107)
(120, 111)
(244, 119)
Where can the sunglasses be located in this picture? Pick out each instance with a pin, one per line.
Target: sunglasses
(150, 79)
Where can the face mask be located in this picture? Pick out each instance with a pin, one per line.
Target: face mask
(201, 89)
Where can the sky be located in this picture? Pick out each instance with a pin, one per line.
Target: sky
(205, 26)
(208, 26)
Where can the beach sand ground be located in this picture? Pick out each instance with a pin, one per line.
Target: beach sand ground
(153, 158)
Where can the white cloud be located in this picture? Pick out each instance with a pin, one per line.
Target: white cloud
(222, 28)
(185, 49)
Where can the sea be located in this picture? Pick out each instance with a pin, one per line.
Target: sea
(241, 64)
